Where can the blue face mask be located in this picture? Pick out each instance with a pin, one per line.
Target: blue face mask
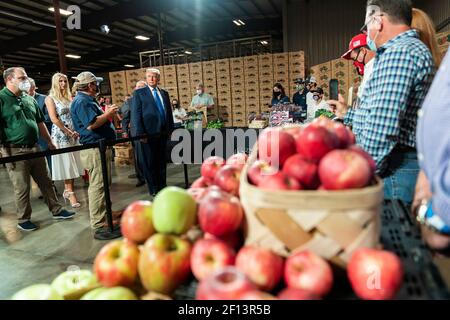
(371, 43)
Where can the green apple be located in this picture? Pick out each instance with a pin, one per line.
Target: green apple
(115, 293)
(37, 292)
(164, 263)
(73, 284)
(174, 211)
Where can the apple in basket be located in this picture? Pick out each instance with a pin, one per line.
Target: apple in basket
(210, 166)
(314, 142)
(307, 271)
(262, 266)
(136, 223)
(116, 264)
(280, 181)
(224, 284)
(72, 284)
(344, 169)
(366, 156)
(275, 146)
(343, 134)
(37, 292)
(259, 170)
(237, 160)
(164, 263)
(302, 170)
(220, 213)
(115, 293)
(209, 255)
(227, 179)
(296, 294)
(375, 274)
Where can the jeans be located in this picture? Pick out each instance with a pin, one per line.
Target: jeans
(400, 180)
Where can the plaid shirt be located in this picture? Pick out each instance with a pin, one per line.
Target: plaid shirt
(387, 115)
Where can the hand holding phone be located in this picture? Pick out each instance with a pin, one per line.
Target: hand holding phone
(334, 89)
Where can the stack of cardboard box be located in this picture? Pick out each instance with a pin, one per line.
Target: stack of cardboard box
(184, 85)
(251, 78)
(297, 65)
(354, 79)
(265, 68)
(281, 71)
(340, 71)
(119, 90)
(169, 78)
(195, 74)
(124, 155)
(210, 83)
(238, 92)
(225, 106)
(133, 76)
(443, 42)
(322, 73)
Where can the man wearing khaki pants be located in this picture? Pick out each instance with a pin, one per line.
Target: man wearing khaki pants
(21, 124)
(93, 125)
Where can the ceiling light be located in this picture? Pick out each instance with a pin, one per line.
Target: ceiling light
(128, 65)
(264, 42)
(61, 11)
(143, 38)
(239, 23)
(188, 52)
(105, 29)
(73, 56)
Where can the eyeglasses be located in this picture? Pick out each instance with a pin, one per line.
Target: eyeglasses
(369, 20)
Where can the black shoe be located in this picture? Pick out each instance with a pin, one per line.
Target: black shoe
(64, 214)
(41, 197)
(140, 184)
(132, 176)
(27, 226)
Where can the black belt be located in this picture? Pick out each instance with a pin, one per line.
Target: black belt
(20, 146)
(404, 149)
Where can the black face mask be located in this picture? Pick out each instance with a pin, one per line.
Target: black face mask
(277, 94)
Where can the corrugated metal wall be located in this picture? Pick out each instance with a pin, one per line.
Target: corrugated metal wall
(323, 28)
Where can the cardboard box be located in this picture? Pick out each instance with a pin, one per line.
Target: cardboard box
(266, 82)
(224, 86)
(251, 60)
(237, 61)
(207, 65)
(237, 83)
(119, 86)
(123, 162)
(251, 68)
(182, 68)
(280, 57)
(240, 123)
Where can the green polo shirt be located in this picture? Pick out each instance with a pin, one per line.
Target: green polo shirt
(19, 118)
(202, 100)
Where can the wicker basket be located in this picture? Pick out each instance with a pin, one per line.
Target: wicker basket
(258, 124)
(330, 223)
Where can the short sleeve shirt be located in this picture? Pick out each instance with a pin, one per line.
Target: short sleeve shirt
(19, 118)
(85, 110)
(202, 100)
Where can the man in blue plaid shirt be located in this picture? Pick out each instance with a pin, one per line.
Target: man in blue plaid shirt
(385, 122)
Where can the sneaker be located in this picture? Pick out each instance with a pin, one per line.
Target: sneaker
(64, 214)
(27, 226)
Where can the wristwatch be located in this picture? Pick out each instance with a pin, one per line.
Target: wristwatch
(427, 217)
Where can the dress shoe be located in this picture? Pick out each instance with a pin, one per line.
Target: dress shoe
(140, 184)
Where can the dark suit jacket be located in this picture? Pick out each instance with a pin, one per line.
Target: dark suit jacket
(145, 118)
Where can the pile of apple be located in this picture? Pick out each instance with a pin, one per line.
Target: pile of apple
(319, 156)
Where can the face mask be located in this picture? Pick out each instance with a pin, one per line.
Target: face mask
(300, 87)
(277, 93)
(359, 67)
(371, 43)
(24, 85)
(316, 98)
(199, 91)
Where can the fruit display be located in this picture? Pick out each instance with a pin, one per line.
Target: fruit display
(200, 232)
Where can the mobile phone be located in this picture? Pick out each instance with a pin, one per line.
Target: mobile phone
(334, 89)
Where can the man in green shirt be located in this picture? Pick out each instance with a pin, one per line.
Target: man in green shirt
(202, 99)
(21, 125)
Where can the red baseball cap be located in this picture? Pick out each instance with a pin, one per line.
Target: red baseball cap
(357, 42)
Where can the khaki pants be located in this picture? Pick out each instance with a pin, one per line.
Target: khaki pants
(20, 173)
(91, 162)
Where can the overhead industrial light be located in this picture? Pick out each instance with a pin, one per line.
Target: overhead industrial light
(61, 11)
(264, 42)
(105, 29)
(143, 38)
(128, 65)
(73, 56)
(188, 52)
(239, 22)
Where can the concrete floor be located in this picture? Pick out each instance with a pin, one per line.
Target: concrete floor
(39, 256)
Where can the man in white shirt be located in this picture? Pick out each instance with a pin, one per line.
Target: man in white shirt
(317, 104)
(311, 85)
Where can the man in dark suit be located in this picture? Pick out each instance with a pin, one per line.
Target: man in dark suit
(40, 99)
(151, 113)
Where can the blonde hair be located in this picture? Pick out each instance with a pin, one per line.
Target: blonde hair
(423, 24)
(55, 91)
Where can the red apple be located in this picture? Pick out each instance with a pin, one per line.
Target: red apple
(294, 131)
(197, 193)
(225, 284)
(263, 267)
(296, 294)
(164, 263)
(227, 179)
(344, 169)
(237, 160)
(375, 274)
(279, 181)
(275, 146)
(351, 135)
(220, 213)
(117, 264)
(233, 239)
(210, 167)
(366, 156)
(304, 171)
(314, 142)
(209, 255)
(200, 183)
(259, 170)
(136, 222)
(343, 135)
(308, 271)
(257, 295)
